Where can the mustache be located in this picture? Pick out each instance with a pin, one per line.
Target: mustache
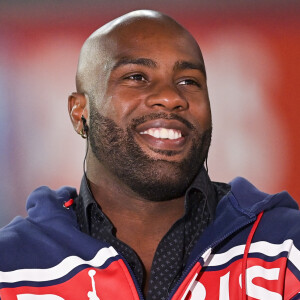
(162, 115)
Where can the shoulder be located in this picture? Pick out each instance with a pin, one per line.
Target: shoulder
(46, 216)
(281, 215)
(244, 202)
(24, 241)
(248, 198)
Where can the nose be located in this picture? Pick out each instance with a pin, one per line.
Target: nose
(167, 97)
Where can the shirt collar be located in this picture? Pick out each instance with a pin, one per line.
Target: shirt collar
(203, 185)
(87, 201)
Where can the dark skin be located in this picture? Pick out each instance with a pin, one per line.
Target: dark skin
(144, 65)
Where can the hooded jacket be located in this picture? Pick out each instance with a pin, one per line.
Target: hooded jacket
(250, 251)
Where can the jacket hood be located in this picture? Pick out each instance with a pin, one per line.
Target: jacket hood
(238, 209)
(250, 201)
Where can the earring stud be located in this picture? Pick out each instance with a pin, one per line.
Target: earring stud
(83, 134)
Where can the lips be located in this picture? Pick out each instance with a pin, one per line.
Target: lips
(163, 134)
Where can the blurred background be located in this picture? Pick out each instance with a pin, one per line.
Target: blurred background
(251, 50)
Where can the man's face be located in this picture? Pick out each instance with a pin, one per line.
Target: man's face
(150, 122)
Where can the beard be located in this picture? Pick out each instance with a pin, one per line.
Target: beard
(152, 179)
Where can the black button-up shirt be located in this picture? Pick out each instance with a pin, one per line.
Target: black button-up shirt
(172, 253)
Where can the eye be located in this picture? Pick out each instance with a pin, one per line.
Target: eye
(136, 77)
(189, 82)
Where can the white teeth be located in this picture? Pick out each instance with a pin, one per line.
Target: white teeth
(171, 134)
(163, 133)
(156, 133)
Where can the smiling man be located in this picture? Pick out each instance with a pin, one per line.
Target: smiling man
(149, 114)
(148, 222)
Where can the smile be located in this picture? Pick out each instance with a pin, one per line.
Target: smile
(163, 133)
(158, 135)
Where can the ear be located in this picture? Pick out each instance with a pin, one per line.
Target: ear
(77, 106)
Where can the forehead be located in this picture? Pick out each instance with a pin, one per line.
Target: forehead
(151, 38)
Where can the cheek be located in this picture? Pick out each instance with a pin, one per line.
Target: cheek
(201, 113)
(121, 105)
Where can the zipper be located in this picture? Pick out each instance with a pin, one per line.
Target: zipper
(185, 273)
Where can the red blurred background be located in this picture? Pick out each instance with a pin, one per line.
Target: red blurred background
(251, 52)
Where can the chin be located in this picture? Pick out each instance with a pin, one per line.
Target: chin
(162, 181)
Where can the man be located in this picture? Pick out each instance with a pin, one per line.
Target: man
(148, 222)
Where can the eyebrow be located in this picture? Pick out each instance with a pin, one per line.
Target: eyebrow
(147, 62)
(135, 61)
(186, 65)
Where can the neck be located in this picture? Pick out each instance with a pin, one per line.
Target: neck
(119, 202)
(124, 207)
(140, 223)
(114, 197)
